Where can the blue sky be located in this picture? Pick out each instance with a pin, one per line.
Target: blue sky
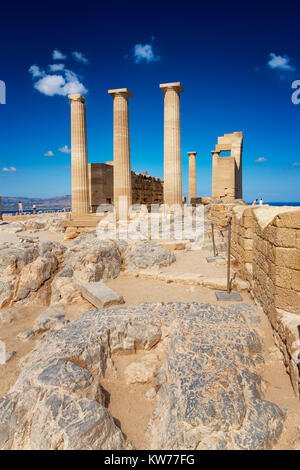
(236, 65)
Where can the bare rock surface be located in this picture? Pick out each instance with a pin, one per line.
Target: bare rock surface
(209, 393)
(143, 255)
(53, 318)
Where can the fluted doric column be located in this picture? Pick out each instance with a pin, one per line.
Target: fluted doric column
(79, 162)
(172, 144)
(122, 167)
(192, 176)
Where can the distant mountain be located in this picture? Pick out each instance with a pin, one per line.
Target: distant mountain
(59, 202)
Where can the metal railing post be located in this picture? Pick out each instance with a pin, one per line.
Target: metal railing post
(228, 256)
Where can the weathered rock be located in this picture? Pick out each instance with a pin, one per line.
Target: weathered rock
(35, 274)
(143, 370)
(143, 255)
(26, 335)
(93, 260)
(64, 290)
(6, 293)
(57, 405)
(5, 356)
(209, 393)
(100, 295)
(7, 316)
(150, 394)
(53, 318)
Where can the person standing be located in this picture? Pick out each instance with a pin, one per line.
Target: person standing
(34, 208)
(261, 202)
(20, 208)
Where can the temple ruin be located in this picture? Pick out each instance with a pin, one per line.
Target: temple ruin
(115, 183)
(145, 189)
(227, 170)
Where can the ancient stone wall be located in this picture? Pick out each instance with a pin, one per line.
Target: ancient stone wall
(145, 189)
(266, 248)
(242, 240)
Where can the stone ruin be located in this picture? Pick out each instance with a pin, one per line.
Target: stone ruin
(114, 182)
(227, 171)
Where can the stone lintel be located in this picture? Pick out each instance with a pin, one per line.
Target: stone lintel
(77, 97)
(176, 85)
(120, 91)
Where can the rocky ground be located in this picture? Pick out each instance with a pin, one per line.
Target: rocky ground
(174, 372)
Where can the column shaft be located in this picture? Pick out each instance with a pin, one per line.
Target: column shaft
(192, 176)
(172, 145)
(79, 162)
(122, 166)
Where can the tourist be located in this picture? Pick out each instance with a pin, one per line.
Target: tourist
(20, 207)
(261, 202)
(255, 202)
(34, 208)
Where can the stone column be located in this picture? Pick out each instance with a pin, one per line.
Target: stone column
(80, 186)
(172, 144)
(192, 176)
(122, 167)
(215, 183)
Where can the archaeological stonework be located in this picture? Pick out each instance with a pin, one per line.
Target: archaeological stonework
(122, 167)
(192, 176)
(80, 202)
(146, 189)
(266, 248)
(227, 171)
(172, 144)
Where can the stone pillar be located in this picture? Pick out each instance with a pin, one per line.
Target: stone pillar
(122, 167)
(215, 182)
(172, 144)
(80, 187)
(192, 176)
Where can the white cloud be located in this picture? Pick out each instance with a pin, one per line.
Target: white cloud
(36, 71)
(49, 153)
(10, 168)
(65, 149)
(280, 62)
(296, 164)
(57, 55)
(144, 53)
(261, 159)
(62, 85)
(56, 67)
(80, 57)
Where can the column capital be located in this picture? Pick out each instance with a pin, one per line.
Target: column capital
(77, 97)
(174, 85)
(192, 153)
(120, 91)
(215, 152)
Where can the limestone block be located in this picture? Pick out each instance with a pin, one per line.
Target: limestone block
(287, 257)
(287, 299)
(246, 232)
(284, 237)
(246, 243)
(247, 222)
(100, 295)
(289, 219)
